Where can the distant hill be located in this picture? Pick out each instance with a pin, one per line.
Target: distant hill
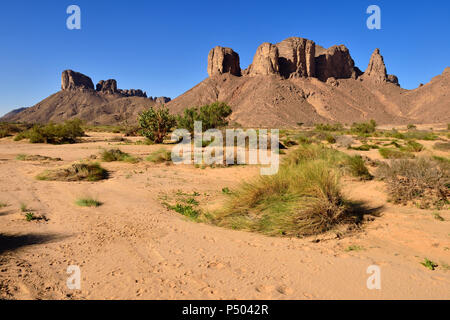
(78, 99)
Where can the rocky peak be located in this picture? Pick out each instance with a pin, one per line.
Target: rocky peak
(265, 61)
(108, 86)
(71, 80)
(296, 57)
(335, 62)
(376, 70)
(223, 60)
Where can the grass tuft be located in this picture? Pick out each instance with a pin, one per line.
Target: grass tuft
(429, 264)
(76, 172)
(117, 155)
(159, 156)
(88, 202)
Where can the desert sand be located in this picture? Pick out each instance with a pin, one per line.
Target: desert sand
(133, 247)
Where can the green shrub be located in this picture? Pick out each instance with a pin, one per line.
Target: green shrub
(412, 146)
(389, 153)
(212, 116)
(329, 127)
(357, 168)
(411, 126)
(155, 124)
(364, 127)
(67, 132)
(330, 139)
(411, 135)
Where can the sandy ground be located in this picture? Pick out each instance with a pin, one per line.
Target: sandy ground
(132, 247)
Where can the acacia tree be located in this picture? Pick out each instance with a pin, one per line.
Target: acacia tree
(155, 124)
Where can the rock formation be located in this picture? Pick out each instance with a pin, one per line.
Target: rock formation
(71, 80)
(223, 60)
(161, 100)
(132, 93)
(376, 70)
(296, 57)
(335, 62)
(265, 61)
(108, 86)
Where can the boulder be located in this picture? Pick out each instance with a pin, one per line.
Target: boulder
(71, 80)
(335, 62)
(265, 61)
(393, 79)
(223, 60)
(296, 57)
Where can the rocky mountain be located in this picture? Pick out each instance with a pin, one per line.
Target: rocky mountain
(289, 82)
(104, 104)
(298, 81)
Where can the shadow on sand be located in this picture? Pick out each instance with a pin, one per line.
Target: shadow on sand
(14, 242)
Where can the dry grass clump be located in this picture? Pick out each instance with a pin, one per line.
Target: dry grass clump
(76, 172)
(159, 156)
(35, 157)
(426, 182)
(117, 155)
(442, 146)
(303, 198)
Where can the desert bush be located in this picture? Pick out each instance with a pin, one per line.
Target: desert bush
(357, 167)
(443, 146)
(412, 146)
(117, 155)
(329, 127)
(212, 116)
(67, 132)
(364, 127)
(160, 156)
(76, 172)
(10, 129)
(155, 124)
(411, 135)
(389, 153)
(411, 126)
(425, 181)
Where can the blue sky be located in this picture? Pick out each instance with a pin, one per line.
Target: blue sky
(162, 46)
